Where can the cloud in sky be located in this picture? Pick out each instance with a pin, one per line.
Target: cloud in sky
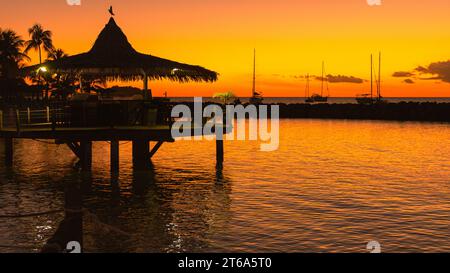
(438, 70)
(329, 78)
(403, 74)
(408, 81)
(434, 71)
(421, 69)
(341, 79)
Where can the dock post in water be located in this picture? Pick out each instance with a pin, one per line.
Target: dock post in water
(9, 151)
(115, 165)
(219, 153)
(74, 214)
(69, 234)
(141, 155)
(219, 141)
(86, 155)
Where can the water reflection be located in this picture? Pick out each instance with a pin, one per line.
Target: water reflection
(331, 187)
(156, 212)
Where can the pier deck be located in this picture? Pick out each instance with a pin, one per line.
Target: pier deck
(121, 133)
(55, 124)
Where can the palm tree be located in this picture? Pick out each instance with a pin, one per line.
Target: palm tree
(56, 54)
(60, 85)
(11, 55)
(11, 59)
(96, 85)
(40, 40)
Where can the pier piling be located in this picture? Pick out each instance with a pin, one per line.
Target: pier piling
(115, 165)
(69, 234)
(86, 155)
(141, 155)
(73, 231)
(219, 153)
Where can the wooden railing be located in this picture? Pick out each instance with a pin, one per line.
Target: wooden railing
(47, 118)
(88, 115)
(31, 117)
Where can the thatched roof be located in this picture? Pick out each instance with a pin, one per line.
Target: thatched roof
(114, 58)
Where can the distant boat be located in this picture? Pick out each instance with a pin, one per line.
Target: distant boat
(368, 98)
(308, 99)
(320, 97)
(256, 97)
(379, 99)
(365, 99)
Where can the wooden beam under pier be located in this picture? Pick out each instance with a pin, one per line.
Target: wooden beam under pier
(156, 148)
(75, 147)
(125, 133)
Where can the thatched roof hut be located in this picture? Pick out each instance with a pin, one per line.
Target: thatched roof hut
(113, 58)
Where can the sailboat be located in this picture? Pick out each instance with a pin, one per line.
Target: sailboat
(256, 97)
(317, 97)
(379, 97)
(308, 99)
(368, 98)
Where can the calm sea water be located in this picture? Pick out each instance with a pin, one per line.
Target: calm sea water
(332, 186)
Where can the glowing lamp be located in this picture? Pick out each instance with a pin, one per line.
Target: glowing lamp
(42, 69)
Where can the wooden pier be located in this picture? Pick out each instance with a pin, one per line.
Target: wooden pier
(143, 121)
(55, 125)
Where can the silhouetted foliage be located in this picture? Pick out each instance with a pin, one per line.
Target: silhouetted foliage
(41, 39)
(11, 55)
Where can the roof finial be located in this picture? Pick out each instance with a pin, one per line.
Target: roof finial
(111, 11)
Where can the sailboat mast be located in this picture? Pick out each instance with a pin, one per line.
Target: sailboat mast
(323, 72)
(371, 76)
(254, 74)
(379, 77)
(307, 86)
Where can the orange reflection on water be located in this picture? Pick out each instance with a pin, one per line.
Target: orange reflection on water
(332, 186)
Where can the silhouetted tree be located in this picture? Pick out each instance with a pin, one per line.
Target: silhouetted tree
(96, 85)
(11, 55)
(41, 39)
(56, 54)
(11, 59)
(60, 85)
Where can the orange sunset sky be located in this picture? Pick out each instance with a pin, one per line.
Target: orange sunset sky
(292, 38)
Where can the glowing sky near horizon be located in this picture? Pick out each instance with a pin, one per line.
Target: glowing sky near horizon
(292, 38)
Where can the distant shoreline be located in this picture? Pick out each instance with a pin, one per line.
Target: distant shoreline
(331, 100)
(437, 111)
